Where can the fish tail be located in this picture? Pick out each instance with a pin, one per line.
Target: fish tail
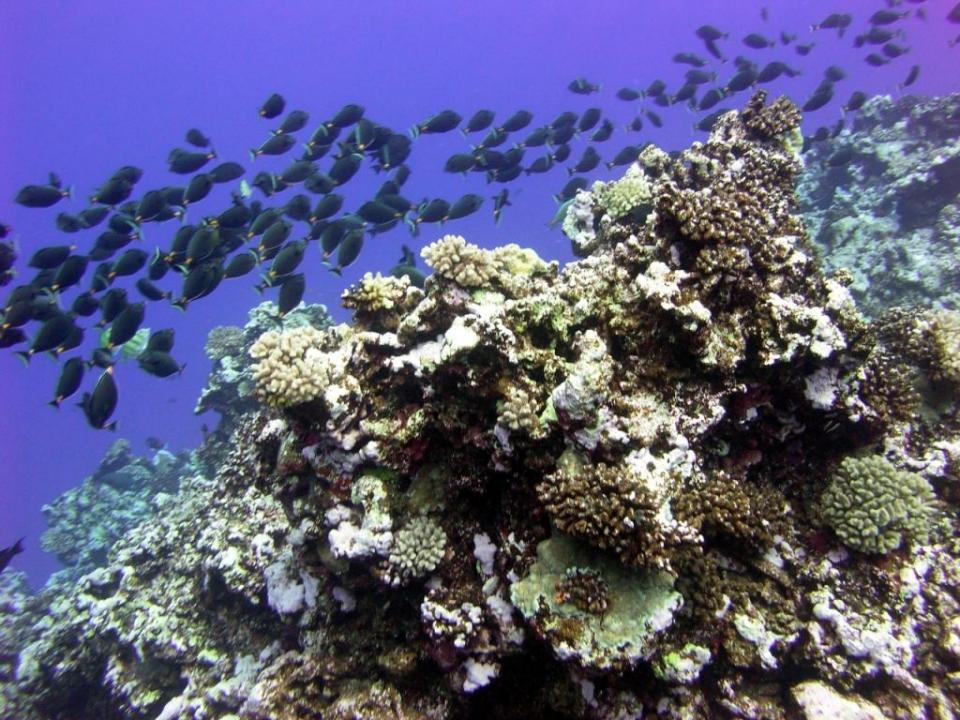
(112, 427)
(180, 304)
(338, 271)
(414, 132)
(68, 192)
(55, 403)
(253, 154)
(24, 356)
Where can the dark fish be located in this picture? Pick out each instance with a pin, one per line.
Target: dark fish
(562, 134)
(197, 138)
(604, 132)
(101, 358)
(886, 17)
(856, 101)
(876, 60)
(655, 89)
(582, 86)
(113, 192)
(772, 70)
(51, 335)
(129, 263)
(954, 14)
(319, 184)
(712, 48)
(112, 304)
(699, 77)
(297, 172)
(742, 80)
(74, 339)
(7, 554)
(837, 129)
(161, 340)
(653, 118)
(274, 145)
(432, 211)
(570, 190)
(841, 157)
(297, 208)
(709, 33)
(540, 165)
(710, 99)
(393, 152)
(71, 375)
(706, 123)
(687, 58)
(286, 261)
(911, 77)
(226, 172)
(536, 138)
(787, 38)
(686, 92)
(505, 174)
(125, 325)
(518, 121)
(291, 292)
(10, 336)
(202, 244)
(834, 21)
(442, 122)
(835, 74)
(294, 121)
(346, 116)
(348, 250)
(155, 443)
(184, 162)
(200, 281)
(241, 264)
(589, 119)
(274, 236)
(480, 120)
(460, 163)
(41, 196)
(494, 138)
(466, 205)
(892, 50)
(818, 99)
(327, 207)
(804, 49)
(263, 221)
(69, 223)
(629, 94)
(272, 106)
(198, 188)
(99, 405)
(345, 168)
(151, 291)
(159, 364)
(85, 304)
(234, 217)
(758, 41)
(500, 201)
(50, 257)
(635, 125)
(626, 156)
(877, 36)
(70, 272)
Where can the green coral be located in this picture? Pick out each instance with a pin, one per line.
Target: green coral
(874, 507)
(619, 198)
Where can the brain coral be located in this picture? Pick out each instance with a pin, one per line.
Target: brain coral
(874, 507)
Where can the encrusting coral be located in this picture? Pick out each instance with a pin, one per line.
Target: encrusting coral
(529, 492)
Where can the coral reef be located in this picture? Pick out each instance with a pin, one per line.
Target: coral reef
(532, 492)
(890, 213)
(125, 490)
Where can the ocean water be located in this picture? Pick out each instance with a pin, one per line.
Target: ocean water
(89, 87)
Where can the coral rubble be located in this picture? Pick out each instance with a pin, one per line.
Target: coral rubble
(625, 488)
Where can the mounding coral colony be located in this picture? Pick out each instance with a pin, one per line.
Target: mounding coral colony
(680, 477)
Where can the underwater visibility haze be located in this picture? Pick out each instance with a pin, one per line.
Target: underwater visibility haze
(624, 383)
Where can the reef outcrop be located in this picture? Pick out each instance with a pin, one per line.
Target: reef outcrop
(883, 200)
(602, 491)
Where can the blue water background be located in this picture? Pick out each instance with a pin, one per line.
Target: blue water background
(89, 86)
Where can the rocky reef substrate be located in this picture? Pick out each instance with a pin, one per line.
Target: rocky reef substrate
(682, 477)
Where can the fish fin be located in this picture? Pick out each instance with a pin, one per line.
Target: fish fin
(112, 427)
(24, 356)
(414, 132)
(253, 154)
(55, 403)
(68, 193)
(338, 271)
